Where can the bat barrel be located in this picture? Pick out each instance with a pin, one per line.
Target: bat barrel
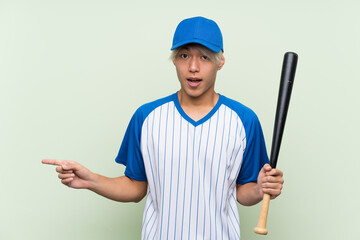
(286, 83)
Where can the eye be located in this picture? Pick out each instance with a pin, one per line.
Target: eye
(205, 57)
(184, 56)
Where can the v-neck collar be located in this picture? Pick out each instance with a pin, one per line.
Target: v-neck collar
(202, 120)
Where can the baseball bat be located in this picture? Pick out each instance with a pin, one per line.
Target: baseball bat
(286, 83)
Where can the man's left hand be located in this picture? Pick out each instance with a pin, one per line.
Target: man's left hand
(270, 181)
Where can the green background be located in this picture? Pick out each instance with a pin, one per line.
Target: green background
(72, 73)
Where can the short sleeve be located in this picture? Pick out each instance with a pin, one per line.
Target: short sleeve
(130, 152)
(255, 156)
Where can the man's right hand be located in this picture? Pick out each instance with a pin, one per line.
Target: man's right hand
(122, 189)
(72, 174)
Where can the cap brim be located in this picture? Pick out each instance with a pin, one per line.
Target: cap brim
(199, 41)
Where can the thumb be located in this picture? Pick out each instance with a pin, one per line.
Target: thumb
(266, 168)
(71, 166)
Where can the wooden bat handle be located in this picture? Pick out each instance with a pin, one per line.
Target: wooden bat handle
(261, 227)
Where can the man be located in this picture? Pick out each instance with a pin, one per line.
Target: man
(194, 154)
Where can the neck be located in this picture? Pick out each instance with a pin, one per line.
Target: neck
(208, 100)
(197, 107)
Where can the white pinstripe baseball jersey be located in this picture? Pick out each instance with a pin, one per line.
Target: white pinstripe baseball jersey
(192, 167)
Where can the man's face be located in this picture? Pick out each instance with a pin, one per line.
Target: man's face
(196, 71)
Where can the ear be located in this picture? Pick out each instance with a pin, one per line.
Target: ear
(222, 62)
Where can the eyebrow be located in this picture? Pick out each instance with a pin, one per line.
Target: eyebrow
(185, 48)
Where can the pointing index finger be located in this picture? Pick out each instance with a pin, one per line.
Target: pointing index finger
(52, 162)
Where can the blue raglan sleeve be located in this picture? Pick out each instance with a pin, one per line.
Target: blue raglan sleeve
(130, 151)
(255, 156)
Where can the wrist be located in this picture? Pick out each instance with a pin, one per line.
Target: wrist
(259, 191)
(93, 181)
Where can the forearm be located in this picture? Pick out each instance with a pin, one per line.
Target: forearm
(122, 189)
(248, 194)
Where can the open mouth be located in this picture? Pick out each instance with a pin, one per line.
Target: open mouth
(194, 82)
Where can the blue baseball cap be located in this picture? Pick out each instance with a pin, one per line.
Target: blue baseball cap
(198, 30)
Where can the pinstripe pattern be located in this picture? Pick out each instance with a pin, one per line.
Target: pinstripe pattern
(191, 171)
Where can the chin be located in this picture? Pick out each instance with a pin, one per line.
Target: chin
(192, 93)
(195, 93)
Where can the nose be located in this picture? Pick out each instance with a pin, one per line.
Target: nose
(194, 65)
